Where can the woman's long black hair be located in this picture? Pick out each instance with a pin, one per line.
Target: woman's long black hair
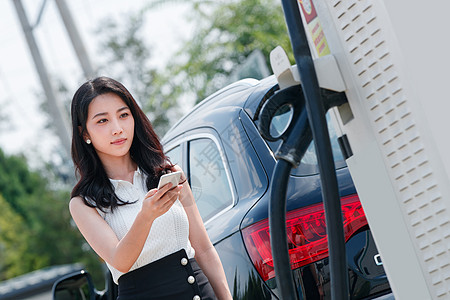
(146, 150)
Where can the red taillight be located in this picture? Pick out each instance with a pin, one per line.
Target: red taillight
(306, 232)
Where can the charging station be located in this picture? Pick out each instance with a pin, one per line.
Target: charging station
(391, 57)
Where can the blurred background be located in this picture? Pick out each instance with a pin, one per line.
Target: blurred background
(169, 54)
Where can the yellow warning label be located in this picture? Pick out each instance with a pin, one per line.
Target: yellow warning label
(315, 29)
(318, 37)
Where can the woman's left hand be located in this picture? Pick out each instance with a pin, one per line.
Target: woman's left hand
(183, 178)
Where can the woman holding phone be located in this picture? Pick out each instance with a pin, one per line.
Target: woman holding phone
(152, 240)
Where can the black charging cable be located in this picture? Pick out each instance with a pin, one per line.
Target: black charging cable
(317, 121)
(296, 140)
(308, 122)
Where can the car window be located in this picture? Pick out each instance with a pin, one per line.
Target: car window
(175, 155)
(208, 178)
(309, 164)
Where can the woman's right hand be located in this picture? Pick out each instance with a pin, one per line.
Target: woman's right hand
(122, 254)
(158, 202)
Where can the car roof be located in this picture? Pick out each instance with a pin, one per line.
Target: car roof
(246, 93)
(235, 94)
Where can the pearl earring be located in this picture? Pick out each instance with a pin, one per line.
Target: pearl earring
(88, 141)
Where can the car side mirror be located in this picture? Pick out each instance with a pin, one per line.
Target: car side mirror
(74, 286)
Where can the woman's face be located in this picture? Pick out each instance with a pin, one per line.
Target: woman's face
(110, 126)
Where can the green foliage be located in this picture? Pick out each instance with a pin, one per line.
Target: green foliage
(35, 224)
(227, 32)
(12, 242)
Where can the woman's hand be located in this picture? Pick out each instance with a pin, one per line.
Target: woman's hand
(177, 168)
(158, 202)
(186, 196)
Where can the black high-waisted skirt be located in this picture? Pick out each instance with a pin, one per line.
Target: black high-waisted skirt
(173, 277)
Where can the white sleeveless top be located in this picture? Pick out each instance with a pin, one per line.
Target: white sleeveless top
(169, 232)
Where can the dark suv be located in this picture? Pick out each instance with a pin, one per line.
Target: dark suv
(230, 165)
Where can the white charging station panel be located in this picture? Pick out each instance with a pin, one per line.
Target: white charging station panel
(393, 58)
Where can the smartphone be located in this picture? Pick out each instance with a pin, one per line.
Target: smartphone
(174, 178)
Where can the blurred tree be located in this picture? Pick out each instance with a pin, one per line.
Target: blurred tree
(13, 242)
(227, 33)
(35, 224)
(128, 60)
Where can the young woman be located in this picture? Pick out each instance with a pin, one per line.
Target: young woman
(153, 241)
